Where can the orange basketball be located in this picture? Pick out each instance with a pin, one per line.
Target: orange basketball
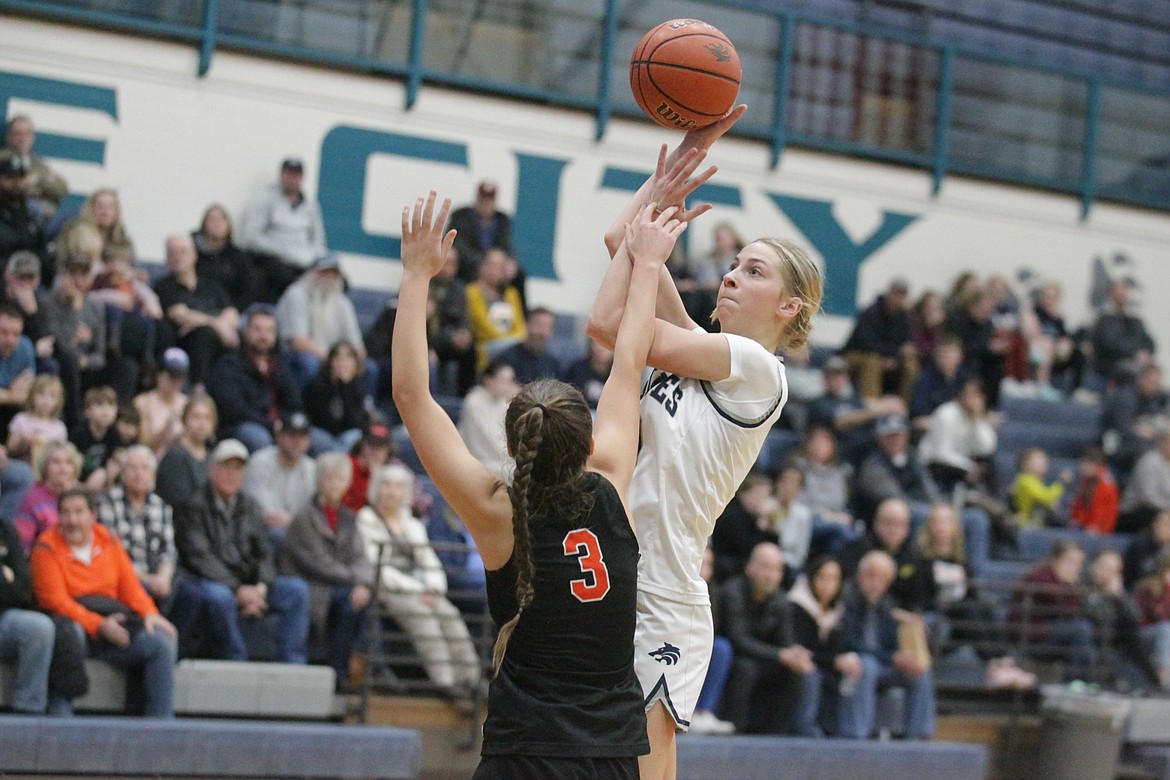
(685, 74)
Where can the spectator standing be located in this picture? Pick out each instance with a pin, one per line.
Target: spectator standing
(81, 572)
(880, 353)
(200, 316)
(323, 547)
(481, 227)
(530, 358)
(230, 570)
(45, 186)
(285, 226)
(282, 478)
(1119, 336)
(768, 666)
(142, 522)
(183, 469)
(873, 657)
(252, 386)
(313, 314)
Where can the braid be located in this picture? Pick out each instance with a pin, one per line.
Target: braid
(531, 433)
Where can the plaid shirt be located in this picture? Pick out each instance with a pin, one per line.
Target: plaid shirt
(148, 534)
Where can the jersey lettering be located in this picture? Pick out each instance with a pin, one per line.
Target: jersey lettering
(593, 587)
(660, 391)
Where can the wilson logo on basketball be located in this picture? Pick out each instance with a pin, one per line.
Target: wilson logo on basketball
(720, 51)
(672, 116)
(667, 654)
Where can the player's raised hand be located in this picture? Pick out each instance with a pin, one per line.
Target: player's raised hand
(702, 138)
(424, 245)
(650, 238)
(673, 184)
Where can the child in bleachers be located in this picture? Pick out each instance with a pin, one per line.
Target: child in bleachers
(1036, 503)
(40, 422)
(1095, 502)
(96, 438)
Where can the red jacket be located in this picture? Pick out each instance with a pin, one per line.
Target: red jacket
(59, 578)
(1098, 512)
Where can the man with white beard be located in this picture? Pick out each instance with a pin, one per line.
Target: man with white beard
(313, 315)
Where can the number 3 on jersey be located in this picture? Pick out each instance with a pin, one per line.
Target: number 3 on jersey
(583, 543)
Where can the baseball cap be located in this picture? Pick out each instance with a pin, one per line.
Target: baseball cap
(376, 433)
(900, 283)
(890, 423)
(487, 189)
(175, 361)
(12, 166)
(23, 263)
(327, 262)
(293, 164)
(229, 449)
(294, 422)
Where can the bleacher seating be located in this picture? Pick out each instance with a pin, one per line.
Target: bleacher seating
(123, 747)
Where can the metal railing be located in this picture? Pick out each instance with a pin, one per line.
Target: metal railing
(831, 80)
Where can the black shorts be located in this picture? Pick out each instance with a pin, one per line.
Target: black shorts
(511, 767)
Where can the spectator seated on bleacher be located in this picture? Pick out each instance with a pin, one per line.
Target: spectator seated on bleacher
(1095, 495)
(481, 421)
(790, 523)
(480, 228)
(589, 372)
(495, 311)
(448, 331)
(161, 408)
(412, 585)
(913, 586)
(816, 608)
(984, 349)
(323, 547)
(24, 297)
(939, 382)
(1047, 613)
(56, 465)
(741, 526)
(46, 187)
(80, 572)
(1036, 502)
(133, 313)
(1055, 359)
(892, 470)
(40, 421)
(1153, 602)
(1147, 549)
(182, 472)
(335, 399)
(530, 358)
(26, 635)
(850, 417)
(220, 258)
(21, 227)
(928, 319)
(806, 383)
(769, 689)
(1130, 411)
(879, 351)
(282, 478)
(873, 656)
(1117, 622)
(77, 324)
(1148, 490)
(826, 491)
(228, 570)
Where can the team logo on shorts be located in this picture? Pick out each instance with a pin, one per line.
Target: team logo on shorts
(667, 654)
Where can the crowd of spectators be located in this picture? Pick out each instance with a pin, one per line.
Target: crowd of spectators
(211, 451)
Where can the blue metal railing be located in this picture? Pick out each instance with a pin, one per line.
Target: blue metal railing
(1042, 117)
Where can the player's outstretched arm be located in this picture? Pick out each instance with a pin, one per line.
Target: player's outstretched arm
(649, 241)
(473, 492)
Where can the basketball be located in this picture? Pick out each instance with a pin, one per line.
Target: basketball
(685, 74)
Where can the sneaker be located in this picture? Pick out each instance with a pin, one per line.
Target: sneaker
(705, 722)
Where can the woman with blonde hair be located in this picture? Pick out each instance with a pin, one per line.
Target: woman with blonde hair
(56, 465)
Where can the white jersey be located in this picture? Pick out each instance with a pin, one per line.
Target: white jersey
(699, 440)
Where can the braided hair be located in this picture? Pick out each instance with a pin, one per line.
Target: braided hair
(549, 428)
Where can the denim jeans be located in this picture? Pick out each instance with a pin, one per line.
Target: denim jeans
(1156, 638)
(213, 605)
(26, 637)
(717, 671)
(345, 627)
(857, 711)
(155, 655)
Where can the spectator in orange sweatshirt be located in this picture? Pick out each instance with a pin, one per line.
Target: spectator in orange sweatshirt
(81, 572)
(1096, 499)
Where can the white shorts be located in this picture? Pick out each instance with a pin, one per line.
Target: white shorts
(672, 647)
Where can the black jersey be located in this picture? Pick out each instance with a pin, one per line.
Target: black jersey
(567, 685)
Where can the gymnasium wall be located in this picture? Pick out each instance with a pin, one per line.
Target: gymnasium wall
(133, 114)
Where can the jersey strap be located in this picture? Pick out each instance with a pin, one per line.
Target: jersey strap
(743, 422)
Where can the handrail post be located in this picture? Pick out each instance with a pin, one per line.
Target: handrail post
(608, 40)
(942, 128)
(780, 86)
(1089, 153)
(210, 27)
(418, 24)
